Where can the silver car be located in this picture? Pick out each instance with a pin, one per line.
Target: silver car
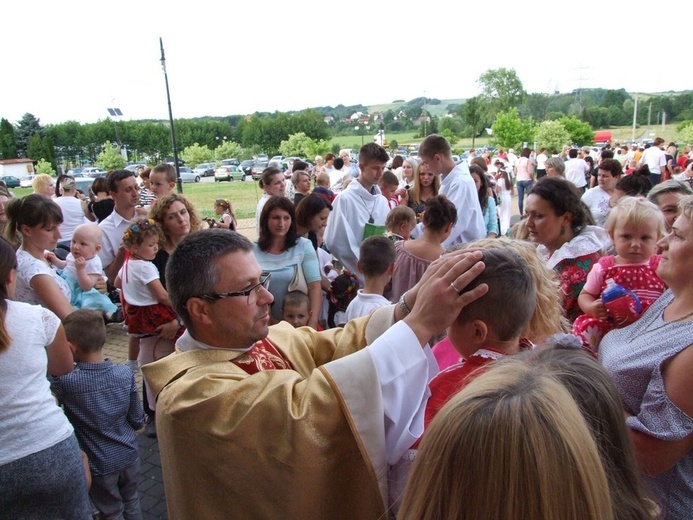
(187, 175)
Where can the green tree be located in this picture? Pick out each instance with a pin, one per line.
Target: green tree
(502, 89)
(8, 146)
(44, 166)
(472, 113)
(536, 105)
(297, 144)
(228, 150)
(27, 127)
(509, 131)
(35, 149)
(686, 133)
(552, 135)
(110, 158)
(196, 154)
(580, 132)
(452, 125)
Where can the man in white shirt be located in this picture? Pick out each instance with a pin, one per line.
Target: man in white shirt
(457, 185)
(656, 160)
(290, 410)
(359, 210)
(122, 187)
(576, 170)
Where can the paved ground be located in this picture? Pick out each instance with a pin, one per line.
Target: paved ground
(152, 496)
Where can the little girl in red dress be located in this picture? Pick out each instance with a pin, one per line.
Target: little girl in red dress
(634, 225)
(146, 304)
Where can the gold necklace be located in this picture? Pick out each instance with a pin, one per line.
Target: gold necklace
(679, 319)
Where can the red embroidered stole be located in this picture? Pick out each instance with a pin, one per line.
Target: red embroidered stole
(262, 356)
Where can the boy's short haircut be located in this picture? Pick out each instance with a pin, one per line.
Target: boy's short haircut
(296, 299)
(389, 179)
(86, 329)
(398, 216)
(166, 169)
(511, 299)
(338, 163)
(435, 144)
(376, 255)
(372, 152)
(323, 179)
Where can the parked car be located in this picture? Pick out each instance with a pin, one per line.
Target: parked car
(76, 171)
(247, 165)
(230, 162)
(133, 167)
(187, 175)
(83, 184)
(11, 181)
(256, 170)
(204, 169)
(277, 158)
(262, 157)
(93, 172)
(26, 180)
(228, 173)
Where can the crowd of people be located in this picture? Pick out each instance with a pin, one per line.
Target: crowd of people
(397, 342)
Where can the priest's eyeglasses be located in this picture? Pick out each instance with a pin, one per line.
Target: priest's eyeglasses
(251, 294)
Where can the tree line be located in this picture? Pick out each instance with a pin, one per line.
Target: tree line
(503, 105)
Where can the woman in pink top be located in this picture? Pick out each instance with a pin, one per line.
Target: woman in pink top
(524, 177)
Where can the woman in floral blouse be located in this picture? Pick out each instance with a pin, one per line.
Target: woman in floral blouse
(562, 226)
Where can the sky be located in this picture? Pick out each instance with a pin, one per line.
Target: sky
(72, 60)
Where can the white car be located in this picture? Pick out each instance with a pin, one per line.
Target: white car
(187, 175)
(26, 180)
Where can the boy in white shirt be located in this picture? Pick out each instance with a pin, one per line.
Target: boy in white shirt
(376, 263)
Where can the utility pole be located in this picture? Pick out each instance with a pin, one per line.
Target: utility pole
(170, 118)
(635, 116)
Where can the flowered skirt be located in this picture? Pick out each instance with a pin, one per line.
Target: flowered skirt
(143, 320)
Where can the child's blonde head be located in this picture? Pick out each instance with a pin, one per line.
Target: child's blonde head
(398, 217)
(633, 211)
(323, 180)
(90, 232)
(140, 229)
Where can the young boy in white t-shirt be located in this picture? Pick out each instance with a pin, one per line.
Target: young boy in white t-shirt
(376, 262)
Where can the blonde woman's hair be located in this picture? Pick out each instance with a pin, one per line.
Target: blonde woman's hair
(548, 318)
(511, 445)
(415, 192)
(40, 182)
(633, 211)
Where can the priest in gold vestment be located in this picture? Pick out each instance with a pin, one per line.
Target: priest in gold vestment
(276, 422)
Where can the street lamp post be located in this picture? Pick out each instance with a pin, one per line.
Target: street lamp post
(170, 117)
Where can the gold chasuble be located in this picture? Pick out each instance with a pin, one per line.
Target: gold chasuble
(267, 434)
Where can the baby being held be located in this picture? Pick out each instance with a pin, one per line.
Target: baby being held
(82, 269)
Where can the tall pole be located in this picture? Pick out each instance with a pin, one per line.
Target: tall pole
(635, 115)
(179, 183)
